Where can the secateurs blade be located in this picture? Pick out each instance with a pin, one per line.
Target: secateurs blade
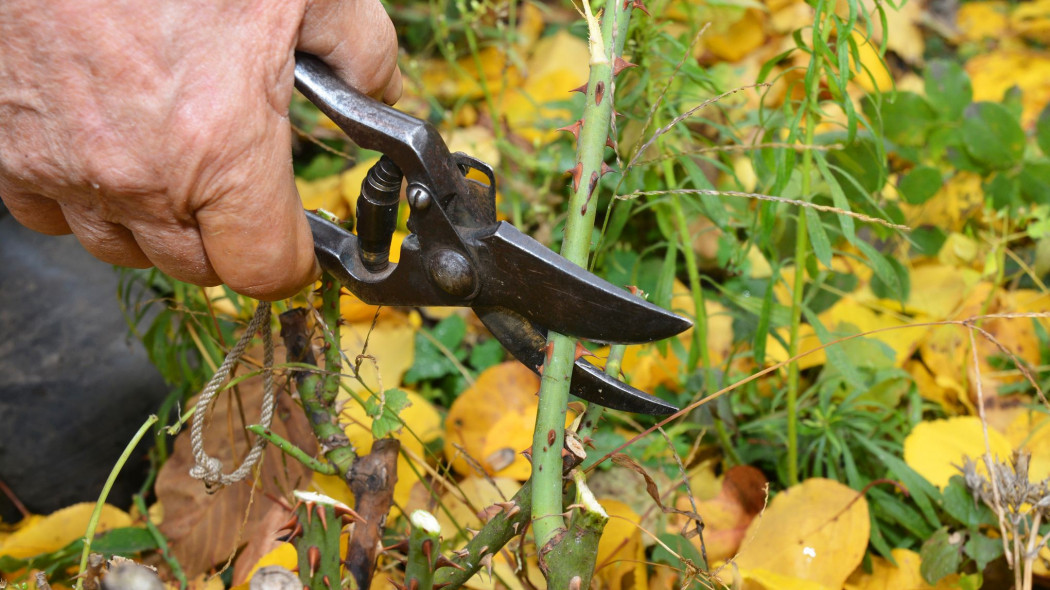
(459, 254)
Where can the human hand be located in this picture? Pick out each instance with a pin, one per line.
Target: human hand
(157, 131)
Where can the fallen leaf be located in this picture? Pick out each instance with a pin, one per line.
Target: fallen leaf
(391, 346)
(812, 535)
(1030, 432)
(204, 529)
(504, 394)
(739, 38)
(936, 449)
(1031, 20)
(728, 514)
(886, 575)
(996, 72)
(977, 21)
(45, 534)
(620, 562)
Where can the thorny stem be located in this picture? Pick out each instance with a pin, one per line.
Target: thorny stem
(549, 435)
(333, 363)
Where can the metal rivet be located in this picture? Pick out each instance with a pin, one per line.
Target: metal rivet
(418, 197)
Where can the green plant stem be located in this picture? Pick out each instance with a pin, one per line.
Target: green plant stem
(161, 540)
(333, 362)
(89, 534)
(424, 547)
(593, 414)
(291, 450)
(548, 438)
(572, 561)
(801, 257)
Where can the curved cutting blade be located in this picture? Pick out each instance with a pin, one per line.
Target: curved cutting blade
(525, 276)
(527, 342)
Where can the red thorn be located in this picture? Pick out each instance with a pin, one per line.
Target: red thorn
(581, 89)
(428, 549)
(443, 561)
(574, 129)
(610, 142)
(588, 441)
(327, 582)
(592, 184)
(639, 5)
(400, 546)
(606, 169)
(576, 172)
(620, 64)
(346, 513)
(313, 557)
(292, 523)
(599, 92)
(527, 453)
(324, 518)
(582, 351)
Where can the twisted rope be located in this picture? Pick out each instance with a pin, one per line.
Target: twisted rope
(208, 468)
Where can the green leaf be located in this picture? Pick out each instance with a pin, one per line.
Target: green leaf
(920, 184)
(680, 546)
(860, 167)
(818, 238)
(927, 241)
(1042, 131)
(948, 88)
(903, 282)
(486, 354)
(884, 271)
(1003, 191)
(838, 197)
(941, 555)
(837, 357)
(906, 117)
(1035, 181)
(960, 504)
(922, 492)
(992, 135)
(430, 361)
(388, 420)
(983, 549)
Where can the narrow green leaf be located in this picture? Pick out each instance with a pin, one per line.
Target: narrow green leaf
(818, 238)
(922, 492)
(838, 197)
(837, 357)
(882, 269)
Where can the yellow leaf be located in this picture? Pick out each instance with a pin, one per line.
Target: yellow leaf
(813, 535)
(982, 20)
(949, 393)
(760, 579)
(1032, 20)
(1030, 431)
(558, 64)
(727, 510)
(503, 396)
(468, 499)
(886, 575)
(934, 448)
(955, 203)
(848, 311)
(739, 39)
(620, 564)
(938, 289)
(391, 346)
(871, 74)
(996, 72)
(323, 193)
(59, 529)
(283, 555)
(808, 341)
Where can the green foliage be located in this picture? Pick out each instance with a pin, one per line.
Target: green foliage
(385, 412)
(443, 355)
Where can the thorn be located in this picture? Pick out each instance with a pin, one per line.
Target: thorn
(616, 113)
(610, 142)
(486, 562)
(620, 64)
(581, 89)
(515, 527)
(588, 441)
(327, 582)
(428, 550)
(639, 5)
(582, 351)
(413, 584)
(443, 561)
(599, 92)
(292, 523)
(527, 453)
(548, 350)
(401, 547)
(346, 513)
(322, 517)
(313, 557)
(576, 172)
(574, 129)
(463, 553)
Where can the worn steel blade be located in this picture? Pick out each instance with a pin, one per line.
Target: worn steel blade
(520, 274)
(527, 342)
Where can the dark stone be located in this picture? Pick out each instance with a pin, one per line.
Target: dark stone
(74, 384)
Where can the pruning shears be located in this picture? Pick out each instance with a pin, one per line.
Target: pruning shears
(459, 254)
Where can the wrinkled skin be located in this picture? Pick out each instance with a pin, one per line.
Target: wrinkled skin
(157, 132)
